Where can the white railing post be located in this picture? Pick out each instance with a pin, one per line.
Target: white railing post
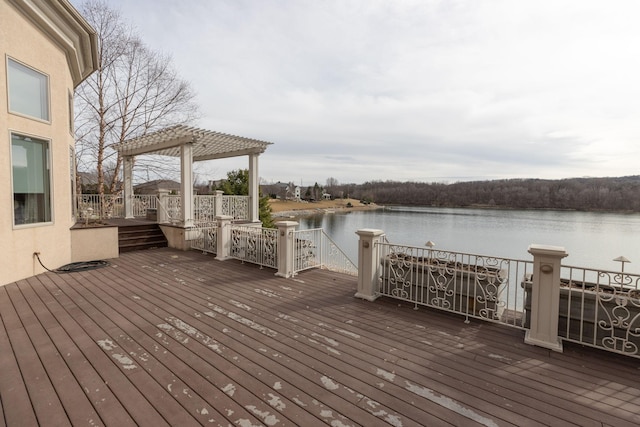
(286, 246)
(163, 215)
(217, 203)
(545, 297)
(368, 263)
(223, 238)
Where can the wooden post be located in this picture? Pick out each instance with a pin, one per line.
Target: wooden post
(128, 187)
(186, 175)
(368, 263)
(254, 189)
(545, 297)
(217, 203)
(163, 216)
(223, 237)
(285, 247)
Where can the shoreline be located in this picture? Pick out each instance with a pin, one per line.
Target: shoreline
(289, 209)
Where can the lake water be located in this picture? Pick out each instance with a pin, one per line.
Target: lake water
(592, 239)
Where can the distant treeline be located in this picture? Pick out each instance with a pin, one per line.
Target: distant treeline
(607, 194)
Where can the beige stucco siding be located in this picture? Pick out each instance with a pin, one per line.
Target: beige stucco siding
(23, 42)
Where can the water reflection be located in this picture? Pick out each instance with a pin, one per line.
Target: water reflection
(591, 239)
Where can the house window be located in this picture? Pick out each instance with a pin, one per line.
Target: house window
(31, 180)
(28, 91)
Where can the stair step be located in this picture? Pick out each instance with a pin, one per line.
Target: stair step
(140, 237)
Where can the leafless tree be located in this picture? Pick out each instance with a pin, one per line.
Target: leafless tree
(134, 91)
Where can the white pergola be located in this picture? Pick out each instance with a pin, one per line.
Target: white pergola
(192, 145)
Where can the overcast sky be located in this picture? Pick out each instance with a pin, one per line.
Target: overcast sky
(410, 90)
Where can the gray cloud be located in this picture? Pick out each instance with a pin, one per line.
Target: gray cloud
(420, 90)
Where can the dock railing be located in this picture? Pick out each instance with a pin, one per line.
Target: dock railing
(284, 248)
(597, 308)
(551, 302)
(313, 248)
(472, 285)
(256, 245)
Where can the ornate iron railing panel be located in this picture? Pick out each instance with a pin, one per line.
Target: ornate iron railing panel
(204, 237)
(236, 206)
(315, 249)
(204, 209)
(598, 308)
(173, 207)
(255, 245)
(476, 286)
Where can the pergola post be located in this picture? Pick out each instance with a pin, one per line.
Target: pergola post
(186, 179)
(128, 186)
(192, 144)
(254, 188)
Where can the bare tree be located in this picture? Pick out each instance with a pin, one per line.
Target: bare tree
(134, 91)
(332, 182)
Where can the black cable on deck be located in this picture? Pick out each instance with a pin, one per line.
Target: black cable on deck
(75, 267)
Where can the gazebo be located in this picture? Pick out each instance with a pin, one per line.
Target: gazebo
(192, 145)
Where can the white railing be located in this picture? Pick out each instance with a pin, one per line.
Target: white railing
(235, 206)
(204, 208)
(100, 207)
(205, 237)
(173, 207)
(143, 202)
(315, 249)
(597, 308)
(472, 285)
(255, 245)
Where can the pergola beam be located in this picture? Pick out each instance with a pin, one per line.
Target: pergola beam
(139, 149)
(193, 144)
(238, 153)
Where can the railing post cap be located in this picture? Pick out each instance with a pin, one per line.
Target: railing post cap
(286, 223)
(223, 217)
(536, 249)
(369, 232)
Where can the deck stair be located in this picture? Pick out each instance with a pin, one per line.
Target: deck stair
(139, 237)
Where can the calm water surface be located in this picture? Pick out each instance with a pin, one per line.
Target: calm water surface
(591, 239)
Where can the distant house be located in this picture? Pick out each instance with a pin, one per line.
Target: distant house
(152, 187)
(282, 190)
(47, 49)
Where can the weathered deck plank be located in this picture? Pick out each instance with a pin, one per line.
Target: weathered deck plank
(177, 338)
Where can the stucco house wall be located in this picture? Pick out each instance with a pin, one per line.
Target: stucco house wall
(51, 38)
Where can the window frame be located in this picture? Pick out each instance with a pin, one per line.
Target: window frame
(47, 80)
(48, 162)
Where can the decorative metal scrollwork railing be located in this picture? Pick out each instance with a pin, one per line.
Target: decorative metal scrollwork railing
(173, 207)
(315, 249)
(205, 237)
(255, 245)
(597, 308)
(204, 208)
(472, 285)
(236, 206)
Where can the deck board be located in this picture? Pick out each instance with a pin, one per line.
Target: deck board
(163, 337)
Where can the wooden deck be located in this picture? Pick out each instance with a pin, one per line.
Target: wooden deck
(163, 337)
